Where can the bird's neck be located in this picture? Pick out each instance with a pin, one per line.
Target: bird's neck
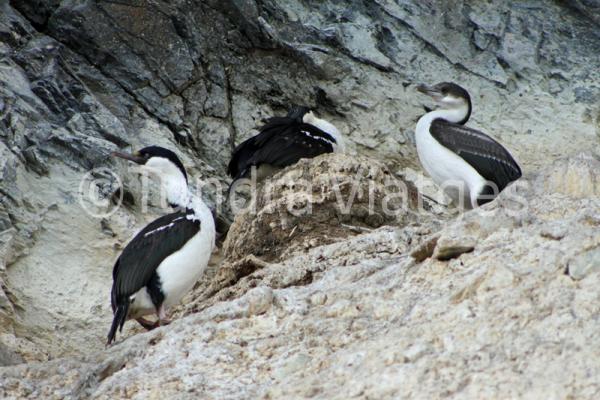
(179, 197)
(176, 190)
(458, 115)
(202, 213)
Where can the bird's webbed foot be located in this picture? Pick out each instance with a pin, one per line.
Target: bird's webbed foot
(148, 325)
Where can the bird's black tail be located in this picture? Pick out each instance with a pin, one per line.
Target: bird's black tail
(120, 315)
(487, 194)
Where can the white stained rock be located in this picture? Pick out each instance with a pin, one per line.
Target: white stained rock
(502, 320)
(579, 177)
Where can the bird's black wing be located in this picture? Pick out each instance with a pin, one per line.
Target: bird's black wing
(142, 256)
(484, 154)
(240, 156)
(137, 264)
(243, 153)
(293, 143)
(281, 142)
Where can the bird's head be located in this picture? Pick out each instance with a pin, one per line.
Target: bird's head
(166, 165)
(449, 96)
(156, 159)
(446, 94)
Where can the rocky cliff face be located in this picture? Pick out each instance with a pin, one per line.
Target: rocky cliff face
(497, 302)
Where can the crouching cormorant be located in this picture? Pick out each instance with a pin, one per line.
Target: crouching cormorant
(283, 141)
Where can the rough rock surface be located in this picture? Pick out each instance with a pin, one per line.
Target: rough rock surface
(317, 202)
(496, 304)
(506, 319)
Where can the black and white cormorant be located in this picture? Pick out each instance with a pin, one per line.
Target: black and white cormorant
(283, 141)
(470, 166)
(164, 260)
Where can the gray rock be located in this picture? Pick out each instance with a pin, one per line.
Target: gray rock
(336, 315)
(372, 322)
(589, 9)
(585, 263)
(578, 177)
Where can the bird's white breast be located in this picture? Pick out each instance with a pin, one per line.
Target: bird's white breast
(181, 270)
(447, 169)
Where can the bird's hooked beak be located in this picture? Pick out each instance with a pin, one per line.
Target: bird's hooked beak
(135, 157)
(430, 91)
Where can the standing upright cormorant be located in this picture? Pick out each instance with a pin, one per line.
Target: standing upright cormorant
(166, 258)
(470, 166)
